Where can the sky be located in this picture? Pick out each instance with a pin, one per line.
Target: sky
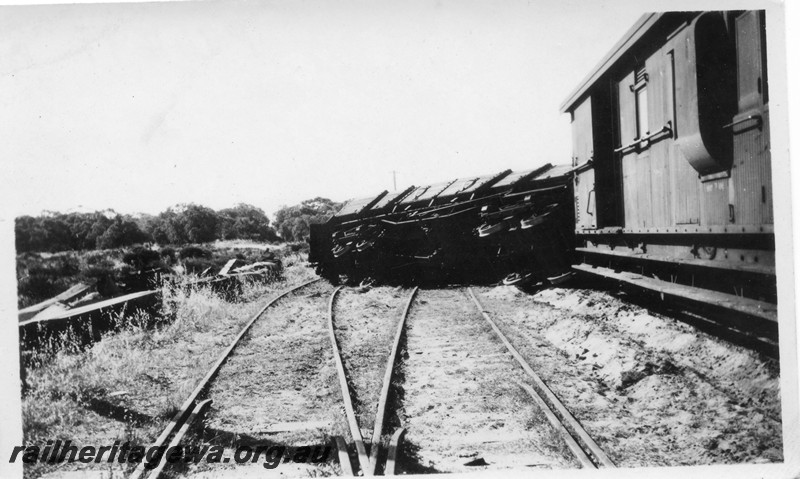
(138, 107)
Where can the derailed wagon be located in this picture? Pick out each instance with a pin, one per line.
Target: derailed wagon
(512, 226)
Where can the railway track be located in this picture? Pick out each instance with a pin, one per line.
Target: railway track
(365, 367)
(469, 400)
(425, 371)
(404, 374)
(201, 398)
(585, 449)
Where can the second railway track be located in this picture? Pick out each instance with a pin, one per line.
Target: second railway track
(360, 369)
(245, 403)
(468, 404)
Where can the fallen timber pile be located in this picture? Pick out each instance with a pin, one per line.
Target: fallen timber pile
(82, 311)
(516, 227)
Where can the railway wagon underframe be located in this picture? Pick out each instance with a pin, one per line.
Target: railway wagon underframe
(671, 143)
(516, 227)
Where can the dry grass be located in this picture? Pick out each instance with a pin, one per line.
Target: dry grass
(127, 386)
(281, 372)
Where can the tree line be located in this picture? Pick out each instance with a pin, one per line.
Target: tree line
(178, 225)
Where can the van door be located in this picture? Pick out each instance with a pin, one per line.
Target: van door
(751, 174)
(582, 151)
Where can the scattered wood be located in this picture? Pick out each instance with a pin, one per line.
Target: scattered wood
(70, 294)
(225, 269)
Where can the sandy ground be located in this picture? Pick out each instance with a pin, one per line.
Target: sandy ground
(365, 327)
(278, 388)
(652, 391)
(460, 404)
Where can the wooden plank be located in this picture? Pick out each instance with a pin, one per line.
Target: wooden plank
(227, 267)
(567, 417)
(750, 307)
(52, 311)
(372, 203)
(30, 311)
(90, 308)
(704, 263)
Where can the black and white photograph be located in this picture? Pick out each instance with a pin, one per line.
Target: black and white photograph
(307, 238)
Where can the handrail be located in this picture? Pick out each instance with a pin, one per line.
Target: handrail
(665, 129)
(759, 121)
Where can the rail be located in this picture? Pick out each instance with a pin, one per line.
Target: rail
(586, 450)
(368, 464)
(184, 415)
(380, 415)
(355, 432)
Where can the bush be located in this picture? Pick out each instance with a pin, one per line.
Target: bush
(169, 254)
(37, 288)
(56, 266)
(103, 278)
(121, 232)
(142, 258)
(102, 257)
(42, 278)
(299, 247)
(194, 252)
(198, 265)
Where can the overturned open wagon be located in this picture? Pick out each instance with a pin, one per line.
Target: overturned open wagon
(512, 226)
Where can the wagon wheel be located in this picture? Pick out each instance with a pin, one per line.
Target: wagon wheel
(485, 230)
(532, 221)
(365, 245)
(517, 278)
(340, 250)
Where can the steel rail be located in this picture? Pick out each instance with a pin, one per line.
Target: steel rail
(185, 411)
(355, 432)
(566, 417)
(380, 414)
(579, 453)
(198, 410)
(394, 447)
(344, 456)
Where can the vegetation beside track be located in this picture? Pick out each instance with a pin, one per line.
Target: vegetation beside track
(127, 386)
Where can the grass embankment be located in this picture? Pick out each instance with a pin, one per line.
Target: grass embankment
(41, 276)
(127, 386)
